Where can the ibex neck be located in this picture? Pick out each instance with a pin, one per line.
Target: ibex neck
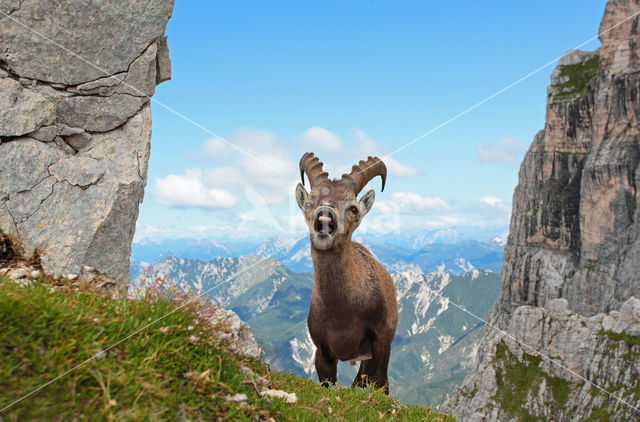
(331, 268)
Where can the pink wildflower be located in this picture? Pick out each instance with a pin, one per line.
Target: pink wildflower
(194, 338)
(189, 328)
(164, 329)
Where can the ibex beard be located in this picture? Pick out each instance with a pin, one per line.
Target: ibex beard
(353, 312)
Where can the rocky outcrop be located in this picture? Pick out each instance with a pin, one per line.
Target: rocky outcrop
(241, 338)
(75, 126)
(570, 271)
(511, 381)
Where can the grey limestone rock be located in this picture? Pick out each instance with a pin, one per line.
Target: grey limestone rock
(628, 318)
(576, 353)
(75, 126)
(22, 110)
(17, 273)
(27, 164)
(95, 113)
(242, 339)
(163, 72)
(45, 133)
(84, 40)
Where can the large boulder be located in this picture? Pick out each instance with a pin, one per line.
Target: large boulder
(75, 126)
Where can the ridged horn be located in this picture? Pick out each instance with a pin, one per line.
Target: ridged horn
(363, 172)
(313, 167)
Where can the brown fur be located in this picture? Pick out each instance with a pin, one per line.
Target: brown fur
(353, 310)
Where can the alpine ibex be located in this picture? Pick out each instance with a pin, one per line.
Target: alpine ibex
(353, 312)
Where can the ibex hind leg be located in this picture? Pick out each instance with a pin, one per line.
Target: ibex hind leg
(374, 370)
(327, 367)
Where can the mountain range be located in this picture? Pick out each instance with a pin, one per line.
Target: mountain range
(435, 340)
(408, 254)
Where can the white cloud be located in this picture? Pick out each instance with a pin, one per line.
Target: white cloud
(200, 228)
(385, 223)
(450, 220)
(224, 225)
(412, 203)
(367, 146)
(293, 222)
(269, 170)
(223, 177)
(320, 138)
(144, 231)
(379, 225)
(491, 205)
(401, 170)
(253, 148)
(260, 210)
(507, 151)
(269, 162)
(188, 190)
(215, 149)
(269, 174)
(410, 211)
(490, 200)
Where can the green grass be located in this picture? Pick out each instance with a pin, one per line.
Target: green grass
(579, 76)
(629, 393)
(181, 367)
(599, 414)
(339, 403)
(629, 339)
(516, 379)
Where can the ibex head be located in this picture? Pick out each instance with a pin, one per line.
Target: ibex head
(331, 209)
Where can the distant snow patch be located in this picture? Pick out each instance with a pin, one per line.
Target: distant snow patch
(445, 342)
(303, 352)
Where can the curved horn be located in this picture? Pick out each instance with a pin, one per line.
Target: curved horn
(364, 171)
(313, 167)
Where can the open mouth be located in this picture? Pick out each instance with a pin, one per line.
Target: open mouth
(325, 221)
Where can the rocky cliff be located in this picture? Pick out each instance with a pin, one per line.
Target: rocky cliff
(76, 78)
(570, 279)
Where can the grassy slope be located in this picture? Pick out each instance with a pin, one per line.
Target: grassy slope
(579, 75)
(183, 373)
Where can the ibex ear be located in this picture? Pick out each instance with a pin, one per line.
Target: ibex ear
(301, 195)
(366, 202)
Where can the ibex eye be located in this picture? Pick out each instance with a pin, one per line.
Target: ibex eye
(353, 209)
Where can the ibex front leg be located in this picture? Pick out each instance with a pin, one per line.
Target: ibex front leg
(326, 366)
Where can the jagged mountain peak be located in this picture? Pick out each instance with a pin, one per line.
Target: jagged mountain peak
(572, 258)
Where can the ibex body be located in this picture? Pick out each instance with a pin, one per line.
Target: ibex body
(353, 312)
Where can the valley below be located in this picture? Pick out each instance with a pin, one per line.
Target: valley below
(436, 340)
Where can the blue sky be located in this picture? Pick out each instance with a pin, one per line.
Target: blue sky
(346, 80)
